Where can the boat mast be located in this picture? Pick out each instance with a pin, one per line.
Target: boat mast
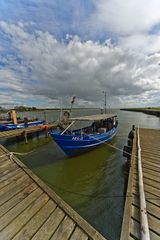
(105, 101)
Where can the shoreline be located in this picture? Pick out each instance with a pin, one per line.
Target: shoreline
(154, 112)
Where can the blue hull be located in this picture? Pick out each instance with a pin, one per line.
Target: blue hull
(75, 144)
(7, 127)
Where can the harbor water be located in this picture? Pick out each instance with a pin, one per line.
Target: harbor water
(92, 183)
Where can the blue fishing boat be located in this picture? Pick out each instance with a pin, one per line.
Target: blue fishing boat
(12, 126)
(102, 129)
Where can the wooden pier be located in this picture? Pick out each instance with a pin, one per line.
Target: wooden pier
(29, 209)
(26, 131)
(132, 227)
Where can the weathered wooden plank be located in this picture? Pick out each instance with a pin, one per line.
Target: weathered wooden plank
(37, 220)
(20, 207)
(153, 222)
(14, 184)
(19, 132)
(150, 165)
(153, 199)
(135, 232)
(153, 190)
(64, 230)
(8, 170)
(3, 158)
(50, 226)
(17, 199)
(150, 159)
(13, 228)
(5, 165)
(78, 234)
(149, 180)
(150, 189)
(11, 180)
(18, 188)
(135, 229)
(152, 209)
(10, 174)
(152, 173)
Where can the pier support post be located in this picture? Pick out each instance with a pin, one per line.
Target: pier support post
(25, 137)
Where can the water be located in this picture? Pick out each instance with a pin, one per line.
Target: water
(92, 183)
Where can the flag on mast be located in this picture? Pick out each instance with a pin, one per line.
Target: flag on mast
(73, 99)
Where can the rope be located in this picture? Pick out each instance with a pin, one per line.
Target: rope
(110, 145)
(10, 154)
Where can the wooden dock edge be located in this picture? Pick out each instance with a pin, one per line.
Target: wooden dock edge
(83, 224)
(125, 229)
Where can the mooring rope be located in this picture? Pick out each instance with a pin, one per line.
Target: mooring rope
(110, 145)
(10, 154)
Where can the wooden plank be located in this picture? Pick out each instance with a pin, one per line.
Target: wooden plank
(50, 226)
(150, 158)
(20, 207)
(153, 199)
(13, 228)
(152, 180)
(19, 132)
(35, 223)
(10, 174)
(14, 184)
(150, 189)
(5, 165)
(18, 188)
(3, 157)
(8, 170)
(152, 173)
(150, 165)
(11, 180)
(135, 230)
(78, 234)
(153, 222)
(152, 209)
(64, 230)
(17, 199)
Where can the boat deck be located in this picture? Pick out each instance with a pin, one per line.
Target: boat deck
(29, 209)
(150, 156)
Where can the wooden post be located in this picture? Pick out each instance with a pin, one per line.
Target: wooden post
(25, 137)
(37, 134)
(46, 131)
(14, 116)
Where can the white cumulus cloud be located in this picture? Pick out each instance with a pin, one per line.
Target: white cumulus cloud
(50, 69)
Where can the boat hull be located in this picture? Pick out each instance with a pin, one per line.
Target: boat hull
(7, 127)
(77, 144)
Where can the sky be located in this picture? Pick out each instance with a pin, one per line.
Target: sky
(52, 50)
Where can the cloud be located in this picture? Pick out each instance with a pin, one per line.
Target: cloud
(126, 17)
(144, 43)
(48, 69)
